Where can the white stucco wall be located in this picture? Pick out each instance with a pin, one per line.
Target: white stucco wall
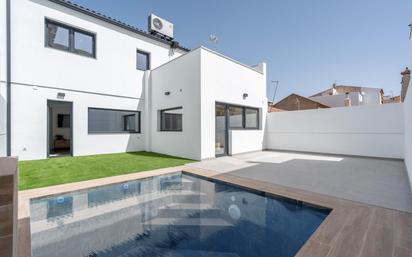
(225, 80)
(408, 128)
(110, 80)
(29, 138)
(3, 92)
(338, 100)
(113, 71)
(376, 130)
(371, 96)
(181, 78)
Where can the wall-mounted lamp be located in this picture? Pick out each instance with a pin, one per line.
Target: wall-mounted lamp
(61, 95)
(167, 93)
(245, 95)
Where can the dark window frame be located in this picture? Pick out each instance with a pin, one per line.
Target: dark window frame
(243, 127)
(243, 116)
(257, 117)
(149, 56)
(138, 131)
(72, 30)
(160, 119)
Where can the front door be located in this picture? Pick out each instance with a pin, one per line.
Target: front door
(221, 135)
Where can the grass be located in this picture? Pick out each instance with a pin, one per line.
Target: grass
(41, 173)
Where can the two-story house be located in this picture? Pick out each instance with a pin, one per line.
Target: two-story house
(76, 82)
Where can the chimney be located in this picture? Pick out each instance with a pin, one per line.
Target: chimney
(347, 101)
(406, 77)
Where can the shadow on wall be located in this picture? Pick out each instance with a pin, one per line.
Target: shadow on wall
(136, 141)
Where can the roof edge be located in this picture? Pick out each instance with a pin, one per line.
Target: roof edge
(102, 17)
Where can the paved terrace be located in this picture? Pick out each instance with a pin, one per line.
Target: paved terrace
(374, 181)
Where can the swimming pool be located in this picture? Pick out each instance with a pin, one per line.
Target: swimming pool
(173, 215)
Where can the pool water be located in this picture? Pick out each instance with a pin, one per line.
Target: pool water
(176, 215)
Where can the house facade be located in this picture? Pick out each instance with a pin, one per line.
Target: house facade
(337, 95)
(75, 82)
(295, 102)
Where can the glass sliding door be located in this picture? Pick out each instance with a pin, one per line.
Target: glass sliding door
(221, 130)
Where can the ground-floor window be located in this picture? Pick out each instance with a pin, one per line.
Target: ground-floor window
(113, 121)
(171, 119)
(241, 117)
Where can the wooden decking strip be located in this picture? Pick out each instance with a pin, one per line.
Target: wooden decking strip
(352, 229)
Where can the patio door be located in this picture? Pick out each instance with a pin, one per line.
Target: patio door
(221, 132)
(59, 128)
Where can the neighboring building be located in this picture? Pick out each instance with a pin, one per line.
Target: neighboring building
(272, 108)
(391, 99)
(81, 83)
(336, 95)
(406, 78)
(295, 102)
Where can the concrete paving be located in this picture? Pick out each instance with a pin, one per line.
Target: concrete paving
(374, 181)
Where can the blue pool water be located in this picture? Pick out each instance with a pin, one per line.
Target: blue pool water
(176, 215)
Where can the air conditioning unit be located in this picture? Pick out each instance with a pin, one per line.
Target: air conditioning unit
(160, 26)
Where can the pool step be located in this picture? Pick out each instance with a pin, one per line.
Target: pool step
(197, 222)
(188, 209)
(144, 251)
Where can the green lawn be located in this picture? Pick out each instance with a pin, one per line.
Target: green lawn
(41, 173)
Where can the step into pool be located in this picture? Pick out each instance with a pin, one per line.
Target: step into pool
(174, 215)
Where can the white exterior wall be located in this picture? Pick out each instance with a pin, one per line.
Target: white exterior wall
(181, 78)
(376, 130)
(108, 81)
(196, 81)
(3, 91)
(371, 96)
(225, 80)
(408, 129)
(338, 100)
(29, 139)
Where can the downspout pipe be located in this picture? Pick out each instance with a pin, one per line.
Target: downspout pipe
(8, 75)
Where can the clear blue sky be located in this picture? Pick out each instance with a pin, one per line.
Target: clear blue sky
(307, 45)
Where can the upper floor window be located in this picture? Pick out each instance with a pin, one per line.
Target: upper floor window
(70, 39)
(142, 60)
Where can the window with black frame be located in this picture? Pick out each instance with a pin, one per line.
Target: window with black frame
(67, 38)
(251, 118)
(113, 121)
(171, 119)
(142, 60)
(241, 117)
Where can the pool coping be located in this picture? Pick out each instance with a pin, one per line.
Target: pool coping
(350, 229)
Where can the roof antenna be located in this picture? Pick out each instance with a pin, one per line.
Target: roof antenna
(410, 30)
(276, 83)
(213, 39)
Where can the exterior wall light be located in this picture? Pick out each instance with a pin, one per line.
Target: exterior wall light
(245, 95)
(167, 93)
(61, 95)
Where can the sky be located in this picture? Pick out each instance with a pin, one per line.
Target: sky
(307, 45)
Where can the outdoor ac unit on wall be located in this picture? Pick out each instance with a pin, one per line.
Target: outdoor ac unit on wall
(160, 26)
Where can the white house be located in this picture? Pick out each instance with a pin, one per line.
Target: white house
(336, 95)
(79, 83)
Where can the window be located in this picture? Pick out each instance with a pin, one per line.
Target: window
(70, 39)
(113, 121)
(142, 60)
(235, 117)
(251, 118)
(171, 119)
(241, 117)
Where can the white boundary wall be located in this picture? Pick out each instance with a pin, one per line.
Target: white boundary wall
(408, 130)
(376, 131)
